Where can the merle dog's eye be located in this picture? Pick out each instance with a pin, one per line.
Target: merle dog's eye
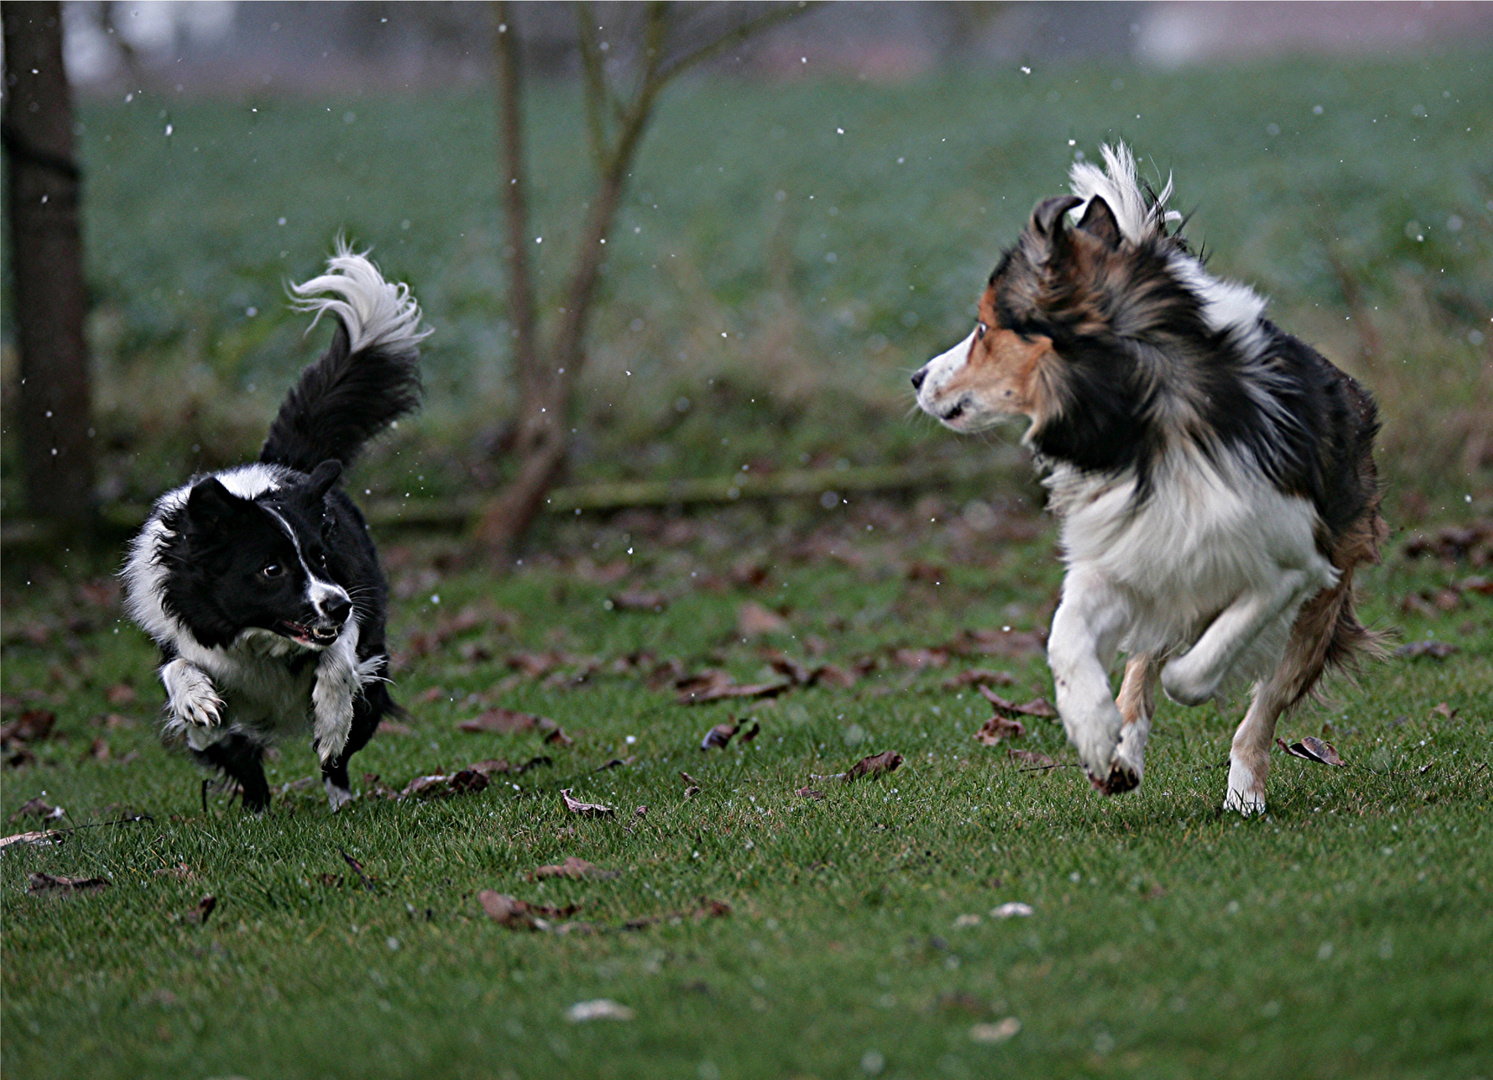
(980, 329)
(272, 570)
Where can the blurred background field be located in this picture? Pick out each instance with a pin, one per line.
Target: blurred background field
(809, 220)
(789, 250)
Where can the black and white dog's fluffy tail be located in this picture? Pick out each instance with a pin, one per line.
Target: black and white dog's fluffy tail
(369, 377)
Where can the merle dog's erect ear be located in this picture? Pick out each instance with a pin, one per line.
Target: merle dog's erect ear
(1099, 221)
(322, 478)
(212, 505)
(1047, 216)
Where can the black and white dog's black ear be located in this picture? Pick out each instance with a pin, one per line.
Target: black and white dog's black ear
(323, 477)
(1099, 221)
(212, 506)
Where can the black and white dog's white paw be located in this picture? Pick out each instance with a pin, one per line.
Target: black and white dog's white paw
(191, 696)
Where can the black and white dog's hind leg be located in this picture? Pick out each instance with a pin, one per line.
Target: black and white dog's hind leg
(241, 759)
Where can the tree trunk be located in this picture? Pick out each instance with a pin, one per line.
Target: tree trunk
(47, 250)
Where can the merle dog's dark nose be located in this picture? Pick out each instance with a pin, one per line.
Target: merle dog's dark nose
(337, 608)
(917, 378)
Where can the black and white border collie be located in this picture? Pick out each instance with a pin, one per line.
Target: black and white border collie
(260, 583)
(1214, 475)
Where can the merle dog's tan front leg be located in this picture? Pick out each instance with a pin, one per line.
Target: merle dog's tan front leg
(1137, 704)
(1086, 632)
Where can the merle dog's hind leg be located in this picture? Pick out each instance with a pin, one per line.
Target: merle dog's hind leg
(241, 759)
(369, 708)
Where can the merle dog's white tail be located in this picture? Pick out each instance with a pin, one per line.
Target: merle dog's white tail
(369, 376)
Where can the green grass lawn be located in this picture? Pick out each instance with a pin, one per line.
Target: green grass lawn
(1346, 934)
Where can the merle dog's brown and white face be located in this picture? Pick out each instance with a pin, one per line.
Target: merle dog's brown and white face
(263, 564)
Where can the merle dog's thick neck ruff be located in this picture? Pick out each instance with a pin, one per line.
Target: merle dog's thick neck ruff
(260, 583)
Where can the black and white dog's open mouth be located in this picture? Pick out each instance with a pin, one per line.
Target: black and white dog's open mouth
(313, 636)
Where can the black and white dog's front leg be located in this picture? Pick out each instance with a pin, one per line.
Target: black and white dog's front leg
(190, 696)
(337, 701)
(1086, 632)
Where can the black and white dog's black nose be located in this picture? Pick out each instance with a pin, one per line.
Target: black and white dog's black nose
(337, 608)
(918, 377)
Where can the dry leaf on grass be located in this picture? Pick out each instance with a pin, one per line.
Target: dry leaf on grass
(1312, 749)
(518, 914)
(637, 600)
(572, 867)
(751, 733)
(439, 785)
(600, 1009)
(1436, 650)
(204, 908)
(40, 883)
(585, 809)
(49, 836)
(754, 620)
(1443, 709)
(39, 808)
(998, 729)
(998, 1032)
(1036, 707)
(980, 677)
(807, 792)
(708, 909)
(120, 694)
(502, 721)
(1033, 758)
(692, 786)
(719, 736)
(714, 684)
(1008, 643)
(394, 727)
(874, 766)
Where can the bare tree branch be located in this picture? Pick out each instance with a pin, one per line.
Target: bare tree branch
(521, 307)
(598, 96)
(735, 36)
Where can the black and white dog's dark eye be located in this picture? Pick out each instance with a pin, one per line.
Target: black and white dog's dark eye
(272, 570)
(980, 329)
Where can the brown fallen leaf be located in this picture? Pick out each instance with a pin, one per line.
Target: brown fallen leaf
(751, 733)
(691, 791)
(585, 809)
(637, 600)
(120, 694)
(47, 836)
(99, 749)
(203, 909)
(1036, 707)
(708, 909)
(39, 808)
(1032, 757)
(39, 883)
(31, 726)
(1312, 749)
(719, 736)
(1479, 584)
(980, 677)
(999, 728)
(641, 811)
(462, 782)
(394, 727)
(754, 620)
(1008, 643)
(918, 659)
(807, 792)
(617, 763)
(1443, 709)
(518, 914)
(874, 766)
(1436, 650)
(572, 867)
(181, 872)
(357, 868)
(688, 779)
(714, 684)
(501, 721)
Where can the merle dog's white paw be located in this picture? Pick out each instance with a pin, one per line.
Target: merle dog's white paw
(1246, 794)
